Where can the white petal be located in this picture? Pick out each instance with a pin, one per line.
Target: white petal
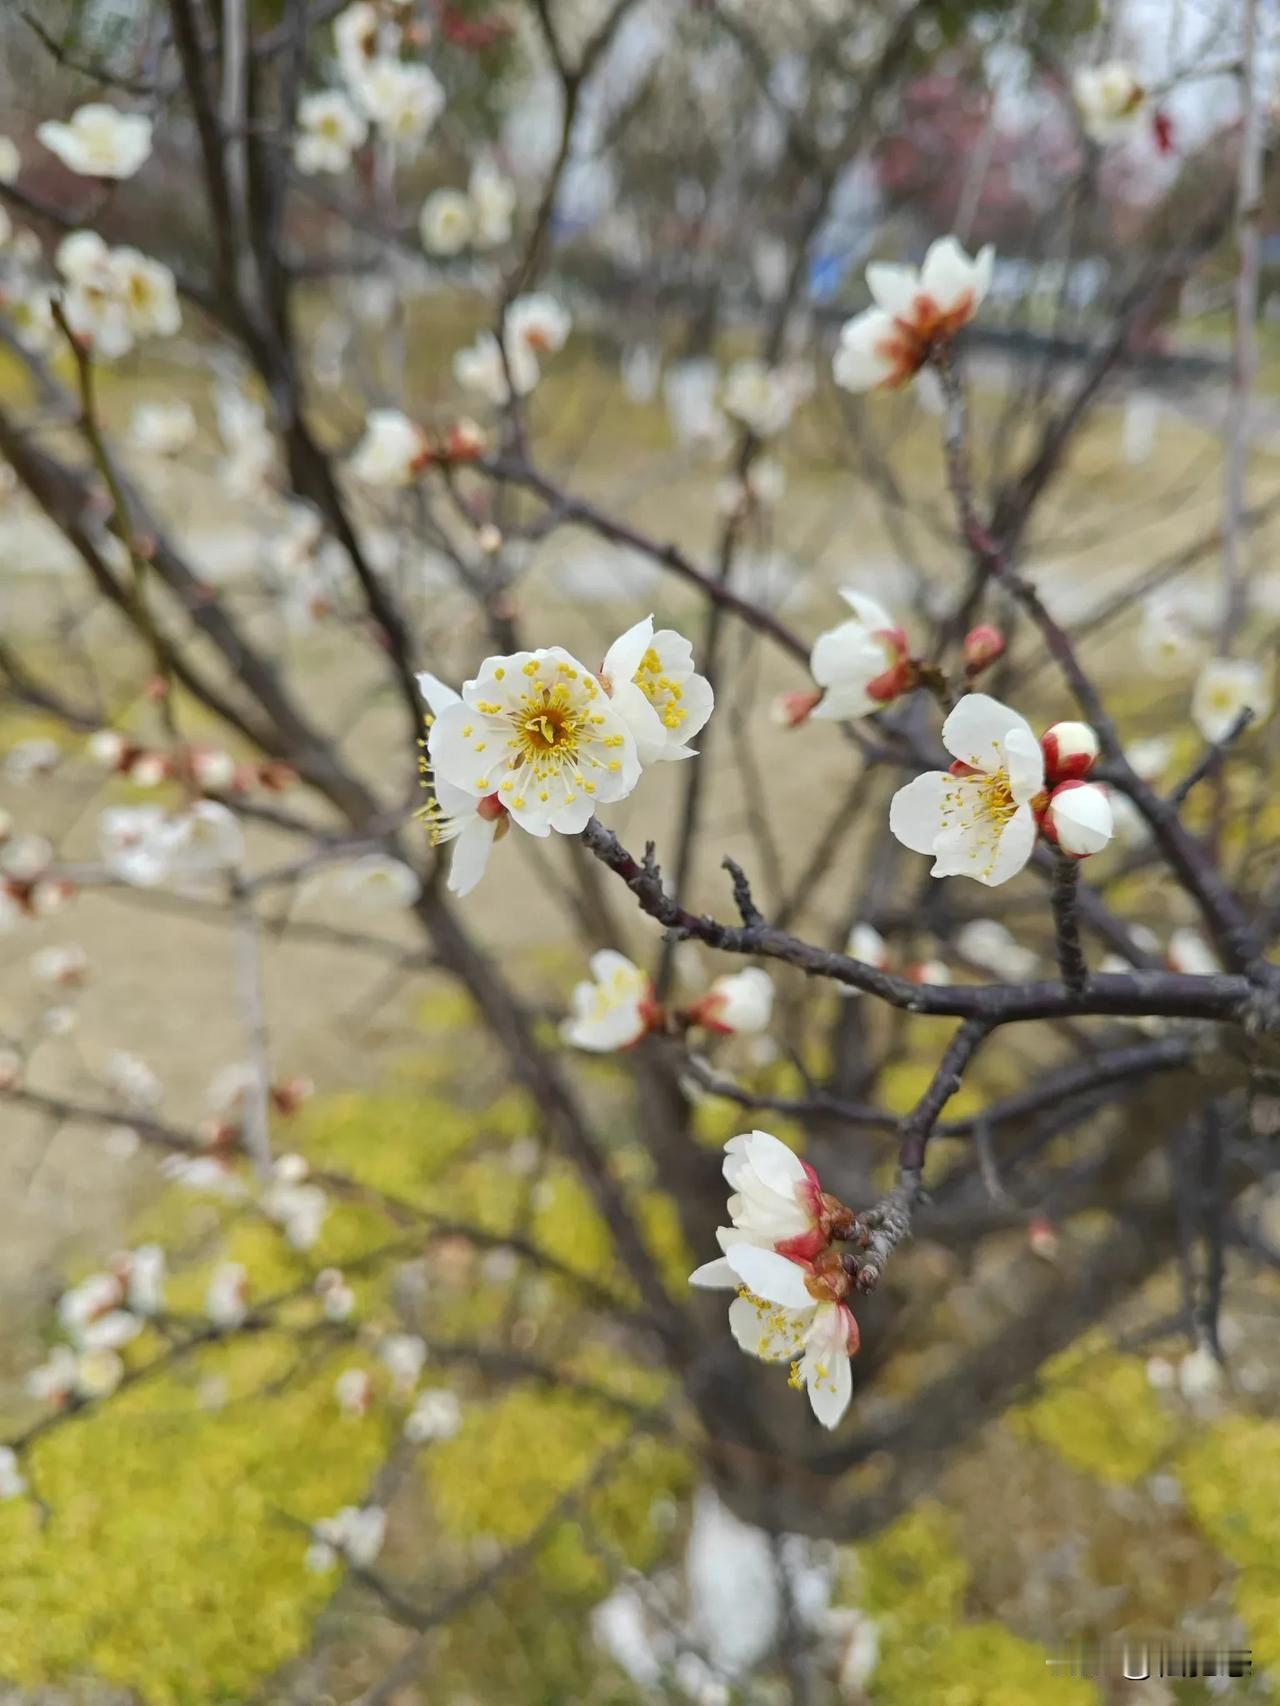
(770, 1276)
(918, 813)
(777, 1167)
(471, 852)
(948, 276)
(622, 660)
(643, 721)
(871, 614)
(774, 1335)
(893, 287)
(437, 693)
(1024, 758)
(714, 1276)
(862, 362)
(977, 729)
(828, 1376)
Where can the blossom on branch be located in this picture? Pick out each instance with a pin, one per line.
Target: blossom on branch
(445, 223)
(481, 368)
(404, 101)
(862, 664)
(98, 141)
(1224, 690)
(537, 323)
(536, 733)
(355, 1533)
(330, 129)
(978, 819)
(393, 450)
(917, 312)
(1078, 819)
(740, 1003)
(452, 813)
(653, 686)
(615, 1008)
(1109, 98)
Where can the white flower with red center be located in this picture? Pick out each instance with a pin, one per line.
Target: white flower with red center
(481, 368)
(762, 398)
(329, 132)
(777, 1198)
(978, 819)
(916, 313)
(1224, 689)
(456, 816)
(65, 967)
(98, 141)
(654, 687)
(393, 451)
(862, 664)
(537, 323)
(740, 1003)
(538, 731)
(226, 1300)
(1109, 97)
(614, 1009)
(1078, 819)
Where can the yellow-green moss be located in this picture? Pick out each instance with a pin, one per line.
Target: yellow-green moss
(1098, 1412)
(1231, 1477)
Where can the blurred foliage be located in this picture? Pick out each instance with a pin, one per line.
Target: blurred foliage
(1096, 1409)
(1231, 1477)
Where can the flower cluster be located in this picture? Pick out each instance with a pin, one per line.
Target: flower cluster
(793, 1284)
(112, 298)
(394, 451)
(204, 769)
(980, 819)
(538, 739)
(100, 1316)
(534, 326)
(147, 846)
(477, 218)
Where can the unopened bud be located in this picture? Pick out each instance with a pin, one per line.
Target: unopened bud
(212, 770)
(1078, 819)
(982, 646)
(489, 539)
(464, 441)
(149, 769)
(1070, 751)
(789, 710)
(1042, 1238)
(108, 748)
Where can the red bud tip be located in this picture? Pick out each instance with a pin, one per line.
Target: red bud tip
(983, 645)
(792, 709)
(1070, 751)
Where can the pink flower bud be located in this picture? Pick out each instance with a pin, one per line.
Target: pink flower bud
(1078, 819)
(789, 710)
(1042, 1238)
(1070, 751)
(982, 646)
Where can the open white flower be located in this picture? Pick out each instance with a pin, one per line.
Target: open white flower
(356, 1533)
(357, 36)
(149, 293)
(162, 429)
(378, 883)
(404, 1355)
(777, 1203)
(226, 1300)
(98, 1373)
(1224, 688)
(54, 1380)
(393, 450)
(654, 687)
(91, 1300)
(915, 312)
(614, 1009)
(404, 101)
(99, 141)
(537, 323)
(480, 368)
(110, 1332)
(739, 1003)
(145, 1270)
(992, 947)
(777, 1318)
(979, 823)
(861, 665)
(437, 1415)
(537, 730)
(1109, 98)
(329, 131)
(762, 398)
(1167, 641)
(446, 222)
(493, 202)
(455, 815)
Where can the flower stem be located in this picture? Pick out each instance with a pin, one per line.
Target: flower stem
(1071, 961)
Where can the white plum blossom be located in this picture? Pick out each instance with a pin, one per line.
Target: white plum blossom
(456, 816)
(1167, 641)
(654, 687)
(537, 732)
(446, 223)
(54, 1380)
(862, 663)
(777, 1203)
(145, 846)
(916, 311)
(98, 1373)
(480, 368)
(353, 1391)
(113, 297)
(689, 391)
(99, 141)
(393, 450)
(739, 1003)
(356, 1533)
(865, 943)
(1109, 98)
(330, 129)
(537, 323)
(493, 202)
(404, 101)
(299, 1210)
(760, 397)
(404, 1355)
(130, 1078)
(162, 429)
(376, 882)
(13, 1483)
(614, 1009)
(337, 1299)
(1224, 689)
(64, 967)
(145, 1270)
(226, 1299)
(1190, 954)
(979, 823)
(993, 948)
(1200, 1376)
(437, 1415)
(91, 1300)
(1078, 819)
(357, 36)
(109, 1332)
